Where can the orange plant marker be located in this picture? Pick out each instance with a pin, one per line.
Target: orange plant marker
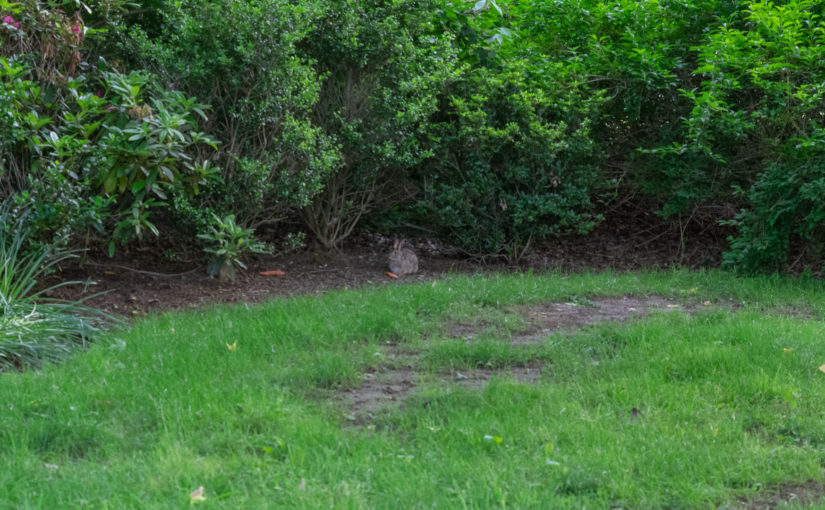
(272, 273)
(391, 275)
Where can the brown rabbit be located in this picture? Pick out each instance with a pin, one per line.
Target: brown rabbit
(402, 259)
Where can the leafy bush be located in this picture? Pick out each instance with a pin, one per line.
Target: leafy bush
(227, 242)
(89, 147)
(757, 120)
(786, 214)
(383, 71)
(505, 123)
(241, 58)
(34, 329)
(515, 162)
(641, 56)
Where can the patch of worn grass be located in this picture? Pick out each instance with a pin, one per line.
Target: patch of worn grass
(671, 411)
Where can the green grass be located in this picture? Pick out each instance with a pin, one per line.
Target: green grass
(149, 414)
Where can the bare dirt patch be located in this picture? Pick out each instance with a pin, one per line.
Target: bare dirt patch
(798, 495)
(388, 388)
(480, 377)
(380, 390)
(141, 279)
(546, 318)
(467, 330)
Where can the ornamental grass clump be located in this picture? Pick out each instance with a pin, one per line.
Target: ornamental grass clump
(34, 328)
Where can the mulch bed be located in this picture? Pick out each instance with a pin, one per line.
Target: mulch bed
(141, 280)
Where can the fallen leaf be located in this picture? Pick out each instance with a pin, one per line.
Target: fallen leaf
(391, 275)
(233, 346)
(822, 368)
(707, 303)
(303, 485)
(787, 349)
(196, 496)
(272, 273)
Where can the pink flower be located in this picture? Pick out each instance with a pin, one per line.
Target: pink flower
(17, 25)
(99, 93)
(8, 20)
(76, 29)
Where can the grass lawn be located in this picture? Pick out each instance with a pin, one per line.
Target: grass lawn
(724, 406)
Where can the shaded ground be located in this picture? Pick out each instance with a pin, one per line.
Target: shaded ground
(389, 388)
(143, 280)
(478, 378)
(379, 390)
(141, 284)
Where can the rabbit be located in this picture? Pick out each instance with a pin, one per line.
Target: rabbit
(402, 259)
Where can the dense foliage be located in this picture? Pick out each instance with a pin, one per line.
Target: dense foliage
(382, 68)
(515, 161)
(495, 125)
(88, 146)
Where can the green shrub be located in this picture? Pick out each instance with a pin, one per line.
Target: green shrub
(785, 214)
(641, 56)
(89, 147)
(227, 242)
(383, 71)
(241, 58)
(515, 162)
(757, 123)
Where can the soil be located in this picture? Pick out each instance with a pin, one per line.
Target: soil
(141, 280)
(545, 318)
(140, 284)
(389, 387)
(810, 494)
(379, 391)
(478, 378)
